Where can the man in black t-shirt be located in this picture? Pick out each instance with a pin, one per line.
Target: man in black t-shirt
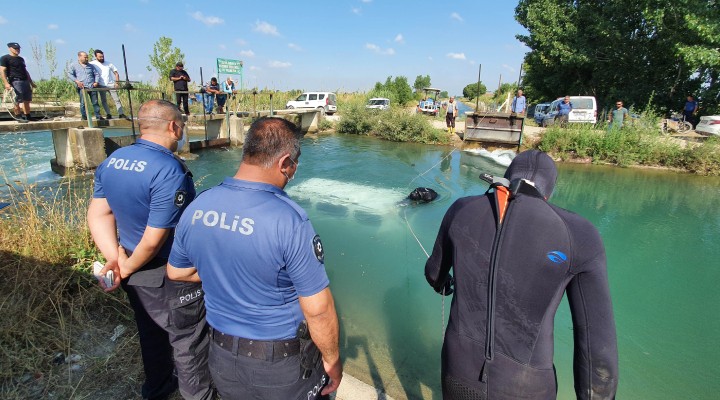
(180, 80)
(16, 76)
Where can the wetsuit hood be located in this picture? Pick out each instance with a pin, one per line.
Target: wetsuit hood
(535, 166)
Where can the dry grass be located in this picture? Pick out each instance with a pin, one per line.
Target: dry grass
(51, 306)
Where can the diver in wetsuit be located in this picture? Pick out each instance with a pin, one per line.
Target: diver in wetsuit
(512, 262)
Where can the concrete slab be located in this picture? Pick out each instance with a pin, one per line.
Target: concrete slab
(355, 389)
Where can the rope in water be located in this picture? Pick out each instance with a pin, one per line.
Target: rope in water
(442, 315)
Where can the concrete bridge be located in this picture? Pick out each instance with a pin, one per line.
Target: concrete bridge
(80, 148)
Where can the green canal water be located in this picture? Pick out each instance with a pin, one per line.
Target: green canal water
(661, 232)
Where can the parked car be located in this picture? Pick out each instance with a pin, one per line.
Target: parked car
(709, 125)
(584, 110)
(324, 101)
(540, 111)
(378, 103)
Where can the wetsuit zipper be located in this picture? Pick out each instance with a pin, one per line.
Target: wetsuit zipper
(490, 331)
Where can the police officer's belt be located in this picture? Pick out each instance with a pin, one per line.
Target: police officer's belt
(259, 349)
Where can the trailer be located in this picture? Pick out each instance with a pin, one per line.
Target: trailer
(494, 127)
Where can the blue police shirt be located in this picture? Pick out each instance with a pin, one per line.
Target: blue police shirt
(145, 185)
(256, 252)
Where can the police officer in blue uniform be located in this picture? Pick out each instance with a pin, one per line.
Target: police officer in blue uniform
(261, 266)
(140, 192)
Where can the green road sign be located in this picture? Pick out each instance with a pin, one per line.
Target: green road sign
(232, 67)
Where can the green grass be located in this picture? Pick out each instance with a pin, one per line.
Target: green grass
(639, 144)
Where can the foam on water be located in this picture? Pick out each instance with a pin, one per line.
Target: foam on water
(502, 157)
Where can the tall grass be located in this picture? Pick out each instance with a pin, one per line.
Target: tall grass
(50, 303)
(640, 143)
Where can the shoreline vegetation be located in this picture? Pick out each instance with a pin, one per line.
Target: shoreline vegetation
(62, 337)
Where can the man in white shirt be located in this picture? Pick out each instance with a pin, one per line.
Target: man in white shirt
(108, 79)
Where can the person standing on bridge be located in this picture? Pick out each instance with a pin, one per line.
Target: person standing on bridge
(85, 76)
(180, 79)
(140, 192)
(262, 267)
(513, 256)
(16, 77)
(109, 78)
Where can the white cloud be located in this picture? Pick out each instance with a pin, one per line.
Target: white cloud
(399, 38)
(377, 49)
(222, 46)
(207, 19)
(294, 47)
(2, 20)
(59, 41)
(457, 17)
(254, 68)
(456, 56)
(279, 64)
(509, 68)
(241, 42)
(247, 53)
(356, 10)
(266, 28)
(130, 27)
(53, 26)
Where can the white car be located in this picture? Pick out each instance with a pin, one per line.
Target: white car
(709, 125)
(378, 103)
(324, 101)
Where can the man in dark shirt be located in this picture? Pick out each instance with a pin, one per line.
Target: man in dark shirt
(16, 76)
(690, 110)
(180, 80)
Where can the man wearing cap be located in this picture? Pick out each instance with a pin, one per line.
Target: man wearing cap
(85, 76)
(16, 76)
(513, 256)
(180, 79)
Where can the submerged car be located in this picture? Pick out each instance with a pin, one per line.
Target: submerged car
(709, 125)
(378, 103)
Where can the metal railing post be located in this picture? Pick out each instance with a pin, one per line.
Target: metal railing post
(87, 107)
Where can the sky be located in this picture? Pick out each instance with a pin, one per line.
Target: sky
(341, 45)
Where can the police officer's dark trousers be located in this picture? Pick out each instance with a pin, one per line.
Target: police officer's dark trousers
(245, 369)
(170, 317)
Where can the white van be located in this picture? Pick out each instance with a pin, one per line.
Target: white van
(324, 101)
(584, 110)
(378, 103)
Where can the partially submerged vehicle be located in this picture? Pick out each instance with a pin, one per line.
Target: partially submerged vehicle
(430, 104)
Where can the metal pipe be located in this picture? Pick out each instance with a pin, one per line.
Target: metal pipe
(202, 92)
(128, 87)
(477, 101)
(87, 107)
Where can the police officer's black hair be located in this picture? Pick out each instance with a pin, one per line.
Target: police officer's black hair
(98, 51)
(268, 139)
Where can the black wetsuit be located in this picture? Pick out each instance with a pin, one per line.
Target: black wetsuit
(509, 280)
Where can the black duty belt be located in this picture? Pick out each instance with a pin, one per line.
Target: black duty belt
(260, 349)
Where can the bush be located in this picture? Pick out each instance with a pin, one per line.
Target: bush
(396, 124)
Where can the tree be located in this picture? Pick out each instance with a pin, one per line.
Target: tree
(471, 91)
(51, 57)
(643, 52)
(421, 82)
(37, 55)
(163, 60)
(399, 87)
